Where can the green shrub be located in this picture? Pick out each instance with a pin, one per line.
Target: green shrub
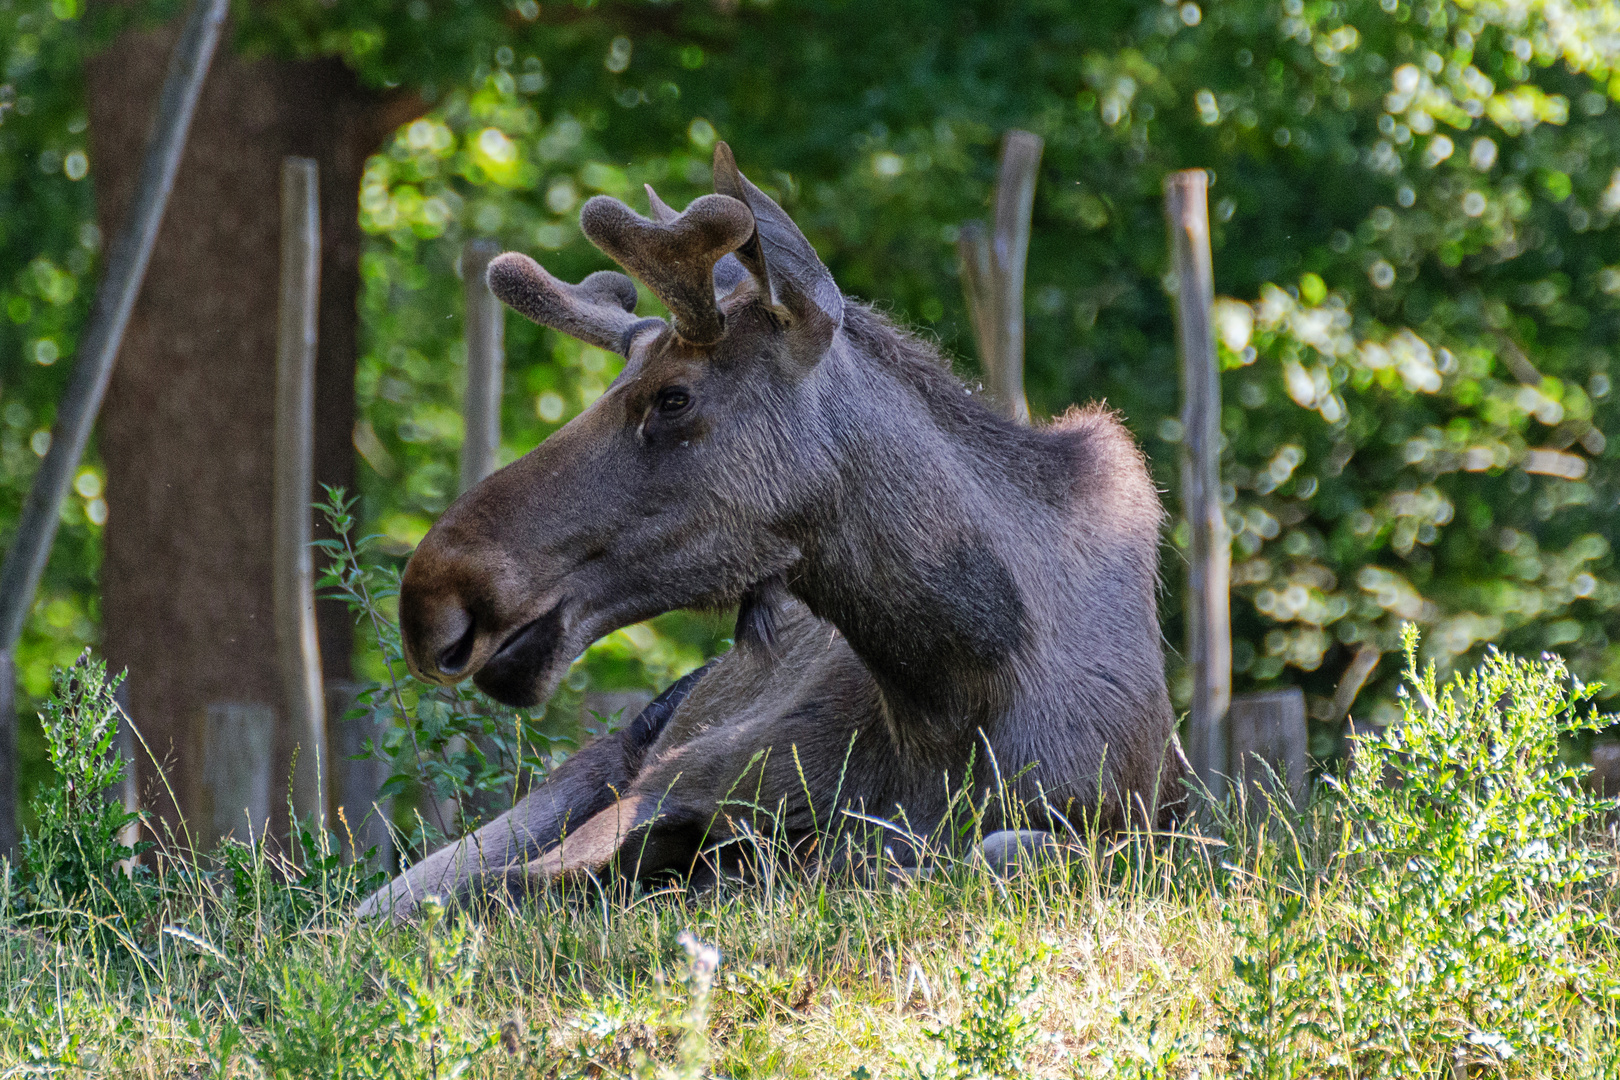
(75, 869)
(1445, 927)
(330, 1021)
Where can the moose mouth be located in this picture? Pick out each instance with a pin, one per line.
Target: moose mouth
(514, 675)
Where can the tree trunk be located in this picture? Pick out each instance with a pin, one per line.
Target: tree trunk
(187, 428)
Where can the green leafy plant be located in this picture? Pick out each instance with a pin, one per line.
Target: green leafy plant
(453, 744)
(1445, 928)
(340, 1019)
(316, 886)
(425, 999)
(76, 869)
(999, 983)
(1273, 1011)
(1146, 1049)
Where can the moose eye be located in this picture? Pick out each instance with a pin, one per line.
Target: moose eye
(673, 400)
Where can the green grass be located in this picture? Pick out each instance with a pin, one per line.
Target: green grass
(1444, 910)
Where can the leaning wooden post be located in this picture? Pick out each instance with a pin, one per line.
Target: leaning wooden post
(1209, 643)
(992, 268)
(486, 363)
(127, 257)
(293, 576)
(8, 752)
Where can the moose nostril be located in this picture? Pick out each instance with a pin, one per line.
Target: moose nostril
(453, 658)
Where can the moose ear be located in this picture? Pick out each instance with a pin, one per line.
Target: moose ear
(597, 311)
(788, 271)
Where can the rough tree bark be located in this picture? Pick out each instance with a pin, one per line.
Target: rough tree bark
(187, 428)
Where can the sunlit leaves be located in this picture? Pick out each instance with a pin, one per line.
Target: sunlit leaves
(1408, 200)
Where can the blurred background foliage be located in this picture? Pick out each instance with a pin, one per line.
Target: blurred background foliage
(1414, 228)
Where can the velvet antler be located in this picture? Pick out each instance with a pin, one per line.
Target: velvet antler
(597, 311)
(728, 272)
(674, 258)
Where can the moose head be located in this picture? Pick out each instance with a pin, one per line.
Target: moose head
(681, 485)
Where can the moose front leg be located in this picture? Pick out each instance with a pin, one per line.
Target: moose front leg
(576, 791)
(643, 834)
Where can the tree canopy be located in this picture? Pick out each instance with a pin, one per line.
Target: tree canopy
(1415, 220)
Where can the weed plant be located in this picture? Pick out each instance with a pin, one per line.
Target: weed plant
(74, 877)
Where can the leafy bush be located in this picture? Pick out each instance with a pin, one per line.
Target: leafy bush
(1446, 926)
(75, 868)
(331, 1023)
(259, 883)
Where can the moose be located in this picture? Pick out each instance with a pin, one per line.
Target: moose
(930, 599)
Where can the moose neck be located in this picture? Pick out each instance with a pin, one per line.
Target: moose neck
(913, 562)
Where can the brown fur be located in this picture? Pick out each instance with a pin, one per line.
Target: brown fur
(932, 598)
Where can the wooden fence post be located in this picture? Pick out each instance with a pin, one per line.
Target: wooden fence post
(127, 257)
(993, 274)
(486, 362)
(1268, 736)
(1209, 557)
(238, 744)
(293, 576)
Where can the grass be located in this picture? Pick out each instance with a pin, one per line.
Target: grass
(1444, 910)
(815, 979)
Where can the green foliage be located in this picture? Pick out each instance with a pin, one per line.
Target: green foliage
(257, 885)
(328, 1022)
(1269, 1016)
(999, 983)
(1414, 203)
(693, 1054)
(453, 744)
(1448, 923)
(1446, 909)
(73, 874)
(1149, 1049)
(373, 1012)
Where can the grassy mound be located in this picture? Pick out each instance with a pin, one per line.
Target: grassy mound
(1441, 909)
